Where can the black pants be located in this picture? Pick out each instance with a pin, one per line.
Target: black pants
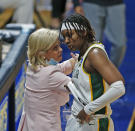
(58, 8)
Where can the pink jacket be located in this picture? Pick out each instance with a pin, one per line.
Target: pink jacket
(44, 94)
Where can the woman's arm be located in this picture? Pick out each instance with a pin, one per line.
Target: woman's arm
(68, 65)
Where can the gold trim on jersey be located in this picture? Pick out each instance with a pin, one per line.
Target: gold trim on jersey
(89, 75)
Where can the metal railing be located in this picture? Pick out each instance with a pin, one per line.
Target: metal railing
(9, 70)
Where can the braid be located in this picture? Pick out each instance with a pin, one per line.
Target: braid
(80, 24)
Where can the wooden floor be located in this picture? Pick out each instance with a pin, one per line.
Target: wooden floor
(40, 18)
(5, 16)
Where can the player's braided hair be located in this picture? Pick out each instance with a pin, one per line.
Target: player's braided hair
(82, 25)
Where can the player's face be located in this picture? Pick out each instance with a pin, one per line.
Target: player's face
(54, 52)
(72, 40)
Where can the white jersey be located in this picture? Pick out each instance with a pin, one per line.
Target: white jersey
(89, 86)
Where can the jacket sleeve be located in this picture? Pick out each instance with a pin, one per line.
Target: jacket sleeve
(66, 67)
(57, 81)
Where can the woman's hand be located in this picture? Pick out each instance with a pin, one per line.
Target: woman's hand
(75, 56)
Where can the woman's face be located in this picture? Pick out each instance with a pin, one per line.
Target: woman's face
(54, 52)
(72, 40)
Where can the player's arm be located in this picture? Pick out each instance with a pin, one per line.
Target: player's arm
(100, 62)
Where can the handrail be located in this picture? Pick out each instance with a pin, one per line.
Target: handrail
(12, 63)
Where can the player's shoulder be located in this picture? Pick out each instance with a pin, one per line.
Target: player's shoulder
(97, 51)
(97, 44)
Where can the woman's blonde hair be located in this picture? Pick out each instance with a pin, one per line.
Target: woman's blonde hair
(40, 41)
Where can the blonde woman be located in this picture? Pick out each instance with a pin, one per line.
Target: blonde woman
(45, 81)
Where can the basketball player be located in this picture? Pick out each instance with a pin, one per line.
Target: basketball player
(98, 82)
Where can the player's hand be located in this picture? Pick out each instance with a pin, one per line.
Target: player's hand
(83, 117)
